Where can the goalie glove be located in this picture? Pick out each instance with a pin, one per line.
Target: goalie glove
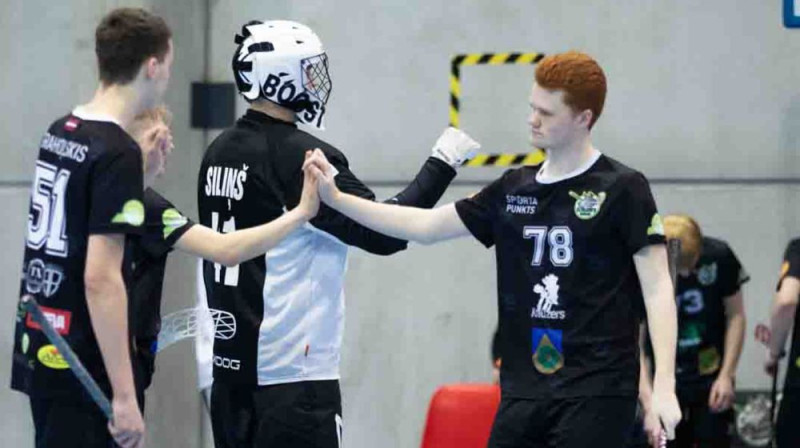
(454, 147)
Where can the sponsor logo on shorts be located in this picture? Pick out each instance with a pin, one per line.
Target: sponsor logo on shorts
(227, 363)
(50, 357)
(59, 319)
(41, 277)
(588, 203)
(521, 205)
(548, 353)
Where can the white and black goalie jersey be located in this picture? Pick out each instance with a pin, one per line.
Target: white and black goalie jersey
(568, 293)
(88, 180)
(289, 303)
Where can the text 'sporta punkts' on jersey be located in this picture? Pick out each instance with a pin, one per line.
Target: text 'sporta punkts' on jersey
(791, 268)
(568, 292)
(700, 299)
(87, 181)
(289, 303)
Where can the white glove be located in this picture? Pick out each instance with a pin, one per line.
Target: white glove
(454, 147)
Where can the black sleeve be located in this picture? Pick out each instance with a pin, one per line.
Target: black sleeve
(638, 220)
(425, 193)
(479, 211)
(791, 262)
(733, 275)
(428, 186)
(115, 192)
(163, 226)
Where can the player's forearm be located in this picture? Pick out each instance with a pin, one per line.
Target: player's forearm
(236, 247)
(407, 223)
(662, 316)
(107, 302)
(663, 326)
(645, 384)
(781, 322)
(734, 340)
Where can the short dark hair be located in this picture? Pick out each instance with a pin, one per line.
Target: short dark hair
(124, 39)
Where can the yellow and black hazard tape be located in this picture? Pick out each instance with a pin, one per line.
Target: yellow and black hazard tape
(455, 105)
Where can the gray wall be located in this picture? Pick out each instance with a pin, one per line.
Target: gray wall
(697, 90)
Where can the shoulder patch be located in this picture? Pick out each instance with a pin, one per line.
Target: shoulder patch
(132, 213)
(656, 226)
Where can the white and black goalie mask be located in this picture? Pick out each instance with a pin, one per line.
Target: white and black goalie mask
(283, 62)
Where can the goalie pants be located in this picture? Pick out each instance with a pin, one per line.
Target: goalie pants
(293, 415)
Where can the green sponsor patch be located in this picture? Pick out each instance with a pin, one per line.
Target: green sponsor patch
(132, 213)
(172, 220)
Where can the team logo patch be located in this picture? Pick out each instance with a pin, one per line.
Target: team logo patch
(548, 298)
(132, 213)
(50, 357)
(172, 220)
(25, 343)
(708, 361)
(707, 274)
(41, 277)
(59, 319)
(656, 226)
(548, 354)
(588, 203)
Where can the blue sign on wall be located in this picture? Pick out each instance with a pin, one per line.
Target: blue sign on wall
(791, 13)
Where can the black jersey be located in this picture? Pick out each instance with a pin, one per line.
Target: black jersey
(568, 293)
(289, 303)
(88, 180)
(700, 298)
(791, 268)
(163, 226)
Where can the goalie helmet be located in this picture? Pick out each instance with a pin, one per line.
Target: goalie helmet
(283, 62)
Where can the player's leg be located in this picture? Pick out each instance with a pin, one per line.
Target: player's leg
(69, 422)
(232, 415)
(587, 422)
(712, 429)
(299, 415)
(519, 423)
(787, 429)
(638, 436)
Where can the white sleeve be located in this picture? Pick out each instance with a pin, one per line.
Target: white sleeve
(204, 339)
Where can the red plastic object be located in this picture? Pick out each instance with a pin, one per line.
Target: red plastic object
(461, 416)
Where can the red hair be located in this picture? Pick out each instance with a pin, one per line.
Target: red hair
(579, 77)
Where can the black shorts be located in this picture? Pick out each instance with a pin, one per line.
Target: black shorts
(787, 430)
(296, 415)
(699, 427)
(585, 422)
(68, 422)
